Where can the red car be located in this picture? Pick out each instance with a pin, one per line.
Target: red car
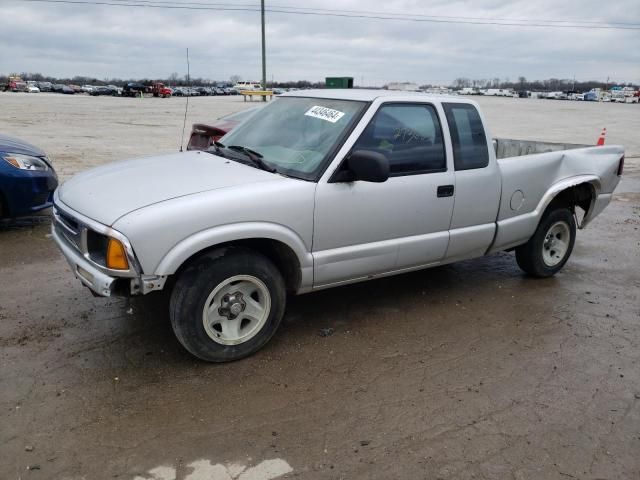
(203, 135)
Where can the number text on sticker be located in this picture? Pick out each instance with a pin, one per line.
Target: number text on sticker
(325, 113)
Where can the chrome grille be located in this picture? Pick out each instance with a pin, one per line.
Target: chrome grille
(68, 221)
(76, 230)
(69, 228)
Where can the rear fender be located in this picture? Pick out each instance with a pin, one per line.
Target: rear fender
(517, 230)
(554, 194)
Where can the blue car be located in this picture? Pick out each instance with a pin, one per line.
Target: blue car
(27, 179)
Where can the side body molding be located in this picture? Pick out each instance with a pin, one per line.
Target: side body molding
(204, 239)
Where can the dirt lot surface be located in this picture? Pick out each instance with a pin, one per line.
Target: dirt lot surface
(465, 371)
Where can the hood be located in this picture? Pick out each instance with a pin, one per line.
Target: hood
(106, 193)
(15, 145)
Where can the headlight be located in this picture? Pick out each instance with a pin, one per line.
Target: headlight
(24, 162)
(107, 251)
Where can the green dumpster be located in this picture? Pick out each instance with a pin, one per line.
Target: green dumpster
(339, 82)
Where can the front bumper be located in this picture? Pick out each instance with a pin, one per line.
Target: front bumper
(28, 192)
(88, 274)
(69, 230)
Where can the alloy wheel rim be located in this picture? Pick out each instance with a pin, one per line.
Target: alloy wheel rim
(556, 244)
(236, 310)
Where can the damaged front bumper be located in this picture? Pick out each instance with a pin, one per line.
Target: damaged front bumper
(70, 231)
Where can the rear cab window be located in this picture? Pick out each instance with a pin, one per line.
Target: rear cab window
(469, 140)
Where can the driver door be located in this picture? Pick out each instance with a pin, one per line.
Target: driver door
(364, 229)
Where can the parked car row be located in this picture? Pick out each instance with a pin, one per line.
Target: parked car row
(594, 95)
(131, 89)
(108, 90)
(202, 91)
(37, 87)
(615, 94)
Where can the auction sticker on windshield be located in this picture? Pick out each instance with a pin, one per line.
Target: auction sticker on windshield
(325, 113)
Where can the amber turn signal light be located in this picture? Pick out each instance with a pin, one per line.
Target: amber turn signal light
(12, 161)
(116, 255)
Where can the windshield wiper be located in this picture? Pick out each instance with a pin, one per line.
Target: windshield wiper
(254, 156)
(217, 149)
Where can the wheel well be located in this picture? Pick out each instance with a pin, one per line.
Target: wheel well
(283, 257)
(581, 195)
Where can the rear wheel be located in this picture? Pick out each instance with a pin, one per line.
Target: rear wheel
(551, 245)
(227, 304)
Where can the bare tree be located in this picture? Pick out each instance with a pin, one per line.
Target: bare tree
(462, 82)
(522, 81)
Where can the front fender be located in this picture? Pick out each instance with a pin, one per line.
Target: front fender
(234, 232)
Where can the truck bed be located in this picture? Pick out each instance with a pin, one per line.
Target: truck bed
(533, 172)
(507, 147)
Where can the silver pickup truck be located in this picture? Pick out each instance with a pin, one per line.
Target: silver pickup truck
(320, 189)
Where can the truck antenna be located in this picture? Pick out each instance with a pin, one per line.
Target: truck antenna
(186, 108)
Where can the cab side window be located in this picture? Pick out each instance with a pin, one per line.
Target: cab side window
(409, 135)
(469, 140)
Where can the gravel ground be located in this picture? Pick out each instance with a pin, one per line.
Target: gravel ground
(467, 371)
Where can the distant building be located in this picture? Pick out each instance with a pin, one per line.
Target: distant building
(403, 86)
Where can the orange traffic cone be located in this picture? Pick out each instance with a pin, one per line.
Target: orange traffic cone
(601, 139)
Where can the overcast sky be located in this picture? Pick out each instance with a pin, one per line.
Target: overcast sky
(109, 41)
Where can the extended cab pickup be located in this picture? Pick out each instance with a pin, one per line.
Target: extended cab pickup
(319, 189)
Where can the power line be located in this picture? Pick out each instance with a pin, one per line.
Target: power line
(370, 12)
(336, 13)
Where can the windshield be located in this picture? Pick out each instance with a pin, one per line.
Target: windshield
(296, 135)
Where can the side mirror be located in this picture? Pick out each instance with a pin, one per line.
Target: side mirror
(368, 166)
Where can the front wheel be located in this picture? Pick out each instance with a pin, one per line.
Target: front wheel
(227, 304)
(551, 245)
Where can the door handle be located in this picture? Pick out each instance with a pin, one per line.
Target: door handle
(445, 191)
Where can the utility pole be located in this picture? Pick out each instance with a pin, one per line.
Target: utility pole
(264, 55)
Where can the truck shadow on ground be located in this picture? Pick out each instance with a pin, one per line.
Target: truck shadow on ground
(24, 223)
(452, 291)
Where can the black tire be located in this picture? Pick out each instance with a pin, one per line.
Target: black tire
(530, 256)
(200, 279)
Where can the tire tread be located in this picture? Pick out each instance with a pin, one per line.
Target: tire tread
(529, 255)
(193, 286)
